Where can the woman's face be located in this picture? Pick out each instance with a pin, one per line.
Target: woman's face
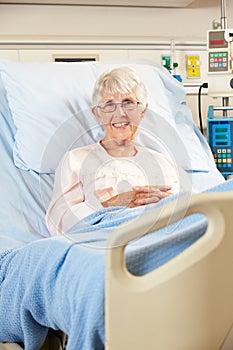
(120, 115)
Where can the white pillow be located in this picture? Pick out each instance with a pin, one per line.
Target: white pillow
(51, 108)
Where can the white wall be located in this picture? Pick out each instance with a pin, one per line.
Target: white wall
(36, 33)
(187, 23)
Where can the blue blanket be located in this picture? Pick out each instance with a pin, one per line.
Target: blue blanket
(59, 282)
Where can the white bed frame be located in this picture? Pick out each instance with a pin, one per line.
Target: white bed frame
(186, 304)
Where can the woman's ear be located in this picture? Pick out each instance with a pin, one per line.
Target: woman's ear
(96, 113)
(144, 110)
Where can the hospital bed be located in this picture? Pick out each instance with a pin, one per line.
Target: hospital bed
(157, 277)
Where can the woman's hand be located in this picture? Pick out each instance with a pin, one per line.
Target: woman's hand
(150, 194)
(122, 199)
(140, 195)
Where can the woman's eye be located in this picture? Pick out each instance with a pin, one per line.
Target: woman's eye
(127, 103)
(109, 105)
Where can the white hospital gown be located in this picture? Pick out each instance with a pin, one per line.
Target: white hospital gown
(88, 176)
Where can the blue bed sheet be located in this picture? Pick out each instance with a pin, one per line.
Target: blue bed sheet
(60, 282)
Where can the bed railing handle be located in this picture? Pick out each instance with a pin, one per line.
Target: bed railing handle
(211, 205)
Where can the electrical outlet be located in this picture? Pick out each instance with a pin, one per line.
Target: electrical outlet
(193, 66)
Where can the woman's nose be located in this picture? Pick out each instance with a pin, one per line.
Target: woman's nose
(119, 110)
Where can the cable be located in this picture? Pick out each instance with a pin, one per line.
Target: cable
(204, 85)
(60, 337)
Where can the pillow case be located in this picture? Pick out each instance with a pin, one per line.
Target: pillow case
(4, 106)
(51, 108)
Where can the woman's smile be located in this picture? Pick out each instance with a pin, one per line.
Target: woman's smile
(120, 125)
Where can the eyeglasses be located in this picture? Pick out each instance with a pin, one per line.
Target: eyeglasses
(112, 106)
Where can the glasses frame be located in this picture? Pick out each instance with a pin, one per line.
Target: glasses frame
(115, 104)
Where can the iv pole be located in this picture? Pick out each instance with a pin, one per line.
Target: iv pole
(223, 15)
(225, 100)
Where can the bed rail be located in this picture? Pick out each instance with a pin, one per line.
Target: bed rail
(186, 303)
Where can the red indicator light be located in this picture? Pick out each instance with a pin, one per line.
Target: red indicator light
(217, 42)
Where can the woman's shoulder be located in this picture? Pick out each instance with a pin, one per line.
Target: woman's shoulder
(82, 150)
(75, 156)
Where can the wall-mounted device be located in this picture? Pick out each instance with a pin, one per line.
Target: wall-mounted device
(220, 54)
(193, 66)
(220, 84)
(220, 136)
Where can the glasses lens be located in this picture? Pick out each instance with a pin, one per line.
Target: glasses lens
(129, 105)
(108, 107)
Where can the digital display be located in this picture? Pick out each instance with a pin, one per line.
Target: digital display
(221, 143)
(221, 137)
(221, 129)
(217, 42)
(217, 39)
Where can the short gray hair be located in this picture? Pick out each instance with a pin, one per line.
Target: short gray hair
(123, 80)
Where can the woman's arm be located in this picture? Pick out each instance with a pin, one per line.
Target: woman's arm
(68, 204)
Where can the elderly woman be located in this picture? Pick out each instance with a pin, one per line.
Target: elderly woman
(114, 171)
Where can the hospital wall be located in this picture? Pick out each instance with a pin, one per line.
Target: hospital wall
(43, 32)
